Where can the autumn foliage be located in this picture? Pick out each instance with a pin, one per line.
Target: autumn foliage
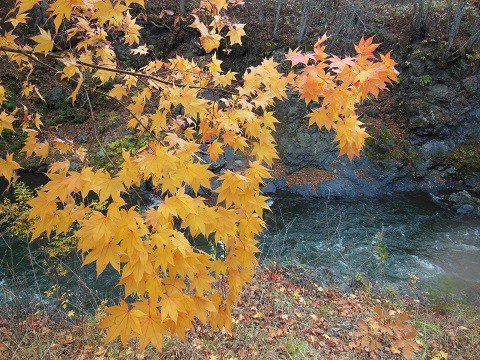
(173, 282)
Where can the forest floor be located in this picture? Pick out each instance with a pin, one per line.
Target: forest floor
(283, 314)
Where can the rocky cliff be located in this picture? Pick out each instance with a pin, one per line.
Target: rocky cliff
(424, 134)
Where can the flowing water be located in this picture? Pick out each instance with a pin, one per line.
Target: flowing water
(338, 239)
(334, 238)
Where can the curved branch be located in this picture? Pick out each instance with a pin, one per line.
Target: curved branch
(86, 87)
(33, 53)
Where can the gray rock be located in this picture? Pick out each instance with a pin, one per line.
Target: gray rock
(217, 166)
(435, 150)
(432, 184)
(417, 67)
(438, 117)
(451, 170)
(419, 121)
(332, 188)
(471, 84)
(270, 188)
(372, 113)
(303, 190)
(101, 153)
(460, 198)
(280, 183)
(472, 181)
(56, 97)
(440, 92)
(229, 155)
(465, 209)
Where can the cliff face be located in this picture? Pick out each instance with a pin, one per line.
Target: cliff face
(425, 137)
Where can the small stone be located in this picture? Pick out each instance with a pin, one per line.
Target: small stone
(270, 188)
(460, 198)
(472, 181)
(372, 113)
(56, 97)
(451, 170)
(470, 84)
(217, 166)
(440, 92)
(465, 209)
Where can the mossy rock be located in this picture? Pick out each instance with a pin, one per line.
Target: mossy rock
(466, 158)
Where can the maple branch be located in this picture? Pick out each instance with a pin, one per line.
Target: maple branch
(121, 103)
(95, 130)
(29, 53)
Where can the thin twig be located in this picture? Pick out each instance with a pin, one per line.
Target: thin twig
(106, 68)
(95, 131)
(121, 103)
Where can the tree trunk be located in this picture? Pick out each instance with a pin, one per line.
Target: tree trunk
(421, 17)
(39, 14)
(277, 20)
(302, 28)
(260, 12)
(183, 10)
(457, 20)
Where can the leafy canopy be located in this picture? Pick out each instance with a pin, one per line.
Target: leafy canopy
(170, 101)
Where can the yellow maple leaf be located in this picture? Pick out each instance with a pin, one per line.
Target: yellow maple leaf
(70, 69)
(139, 2)
(105, 11)
(118, 92)
(8, 167)
(153, 328)
(32, 146)
(44, 41)
(6, 121)
(26, 5)
(323, 118)
(235, 33)
(20, 18)
(265, 151)
(215, 149)
(215, 65)
(197, 24)
(210, 42)
(121, 322)
(63, 9)
(2, 95)
(106, 186)
(108, 254)
(171, 306)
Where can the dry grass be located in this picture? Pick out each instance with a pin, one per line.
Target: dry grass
(283, 315)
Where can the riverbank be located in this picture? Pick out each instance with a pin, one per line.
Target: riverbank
(284, 314)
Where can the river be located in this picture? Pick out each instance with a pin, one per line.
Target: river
(335, 239)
